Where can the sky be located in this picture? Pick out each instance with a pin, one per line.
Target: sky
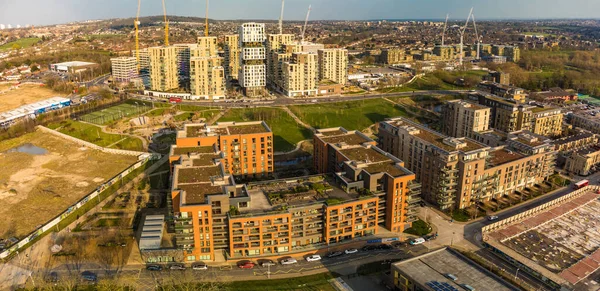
(43, 12)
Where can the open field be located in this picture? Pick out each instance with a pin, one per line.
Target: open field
(35, 188)
(108, 115)
(207, 114)
(95, 135)
(286, 132)
(440, 81)
(22, 43)
(312, 282)
(352, 115)
(23, 95)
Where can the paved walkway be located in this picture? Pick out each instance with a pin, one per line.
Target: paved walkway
(298, 120)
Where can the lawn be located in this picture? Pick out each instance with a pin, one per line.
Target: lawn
(352, 115)
(193, 108)
(286, 132)
(147, 103)
(25, 94)
(22, 43)
(313, 282)
(419, 228)
(36, 188)
(95, 135)
(433, 81)
(114, 113)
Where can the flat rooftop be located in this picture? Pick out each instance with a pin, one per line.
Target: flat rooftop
(197, 193)
(192, 150)
(561, 242)
(347, 138)
(572, 138)
(223, 128)
(430, 270)
(503, 156)
(361, 154)
(75, 64)
(386, 167)
(197, 175)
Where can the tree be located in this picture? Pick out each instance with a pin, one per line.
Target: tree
(16, 46)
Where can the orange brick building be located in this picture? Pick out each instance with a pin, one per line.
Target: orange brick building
(247, 146)
(216, 219)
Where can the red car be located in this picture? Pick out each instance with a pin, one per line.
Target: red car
(246, 265)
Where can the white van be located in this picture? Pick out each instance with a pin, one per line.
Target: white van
(417, 241)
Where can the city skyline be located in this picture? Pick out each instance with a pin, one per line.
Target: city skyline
(18, 12)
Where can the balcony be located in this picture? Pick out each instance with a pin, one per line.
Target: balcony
(183, 226)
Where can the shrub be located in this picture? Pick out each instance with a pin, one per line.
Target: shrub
(419, 228)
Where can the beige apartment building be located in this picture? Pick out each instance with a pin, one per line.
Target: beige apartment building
(333, 65)
(392, 56)
(163, 68)
(462, 119)
(300, 75)
(509, 116)
(584, 161)
(124, 69)
(581, 139)
(232, 56)
(456, 173)
(207, 75)
(445, 52)
(275, 44)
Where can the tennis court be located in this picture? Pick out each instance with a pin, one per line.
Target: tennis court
(108, 115)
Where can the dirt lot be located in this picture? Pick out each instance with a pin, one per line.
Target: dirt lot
(23, 95)
(35, 188)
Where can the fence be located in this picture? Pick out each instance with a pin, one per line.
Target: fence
(89, 144)
(40, 232)
(523, 215)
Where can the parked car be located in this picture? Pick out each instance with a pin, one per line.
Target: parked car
(492, 217)
(177, 267)
(89, 276)
(154, 268)
(313, 258)
(369, 248)
(430, 237)
(350, 251)
(288, 261)
(417, 241)
(200, 266)
(246, 265)
(398, 244)
(266, 263)
(384, 247)
(334, 254)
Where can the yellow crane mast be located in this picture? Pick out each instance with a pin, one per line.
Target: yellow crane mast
(166, 24)
(137, 36)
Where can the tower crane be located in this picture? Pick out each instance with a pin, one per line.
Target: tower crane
(136, 24)
(166, 24)
(206, 19)
(444, 32)
(477, 36)
(462, 36)
(305, 23)
(281, 17)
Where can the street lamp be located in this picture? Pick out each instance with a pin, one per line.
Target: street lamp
(516, 273)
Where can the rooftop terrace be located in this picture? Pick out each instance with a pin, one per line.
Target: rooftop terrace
(223, 128)
(197, 175)
(196, 193)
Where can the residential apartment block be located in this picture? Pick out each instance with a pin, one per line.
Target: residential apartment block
(253, 70)
(393, 56)
(445, 52)
(460, 172)
(333, 65)
(504, 91)
(359, 164)
(275, 44)
(247, 146)
(300, 75)
(124, 69)
(583, 161)
(462, 119)
(163, 68)
(232, 56)
(207, 75)
(585, 121)
(216, 219)
(183, 51)
(582, 138)
(508, 116)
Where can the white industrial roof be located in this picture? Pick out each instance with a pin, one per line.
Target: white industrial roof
(74, 64)
(30, 108)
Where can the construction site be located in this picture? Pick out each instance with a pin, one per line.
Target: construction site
(558, 241)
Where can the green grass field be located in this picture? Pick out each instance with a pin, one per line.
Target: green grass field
(207, 114)
(95, 135)
(286, 132)
(313, 283)
(352, 115)
(114, 113)
(22, 43)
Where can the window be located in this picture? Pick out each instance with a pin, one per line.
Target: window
(191, 258)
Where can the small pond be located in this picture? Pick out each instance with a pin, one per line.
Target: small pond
(28, 149)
